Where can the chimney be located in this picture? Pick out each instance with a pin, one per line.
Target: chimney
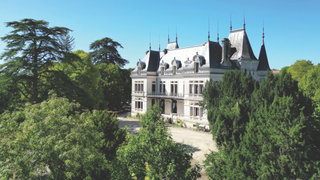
(225, 52)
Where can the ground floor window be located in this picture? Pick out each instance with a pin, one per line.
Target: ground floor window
(174, 106)
(138, 104)
(153, 102)
(195, 110)
(162, 106)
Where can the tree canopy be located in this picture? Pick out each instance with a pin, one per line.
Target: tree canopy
(32, 48)
(275, 137)
(153, 154)
(105, 51)
(56, 141)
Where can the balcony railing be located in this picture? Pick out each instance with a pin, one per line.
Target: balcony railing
(165, 94)
(139, 93)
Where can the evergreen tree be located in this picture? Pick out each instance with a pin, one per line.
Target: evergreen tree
(32, 49)
(279, 139)
(105, 51)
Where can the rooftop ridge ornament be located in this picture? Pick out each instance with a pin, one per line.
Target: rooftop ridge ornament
(230, 22)
(263, 33)
(218, 31)
(244, 20)
(176, 35)
(209, 28)
(168, 36)
(159, 42)
(150, 40)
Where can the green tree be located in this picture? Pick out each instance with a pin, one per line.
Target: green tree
(227, 103)
(55, 138)
(116, 86)
(153, 154)
(32, 48)
(279, 140)
(105, 51)
(299, 69)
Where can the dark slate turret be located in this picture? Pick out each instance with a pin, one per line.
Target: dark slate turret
(263, 59)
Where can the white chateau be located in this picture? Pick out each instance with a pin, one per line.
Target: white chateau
(175, 77)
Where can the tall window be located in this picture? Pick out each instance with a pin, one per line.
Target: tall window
(153, 102)
(195, 87)
(174, 88)
(138, 86)
(153, 87)
(162, 105)
(162, 87)
(162, 70)
(174, 106)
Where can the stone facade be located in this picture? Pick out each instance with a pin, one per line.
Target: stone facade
(175, 77)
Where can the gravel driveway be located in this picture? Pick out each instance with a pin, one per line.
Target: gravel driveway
(199, 143)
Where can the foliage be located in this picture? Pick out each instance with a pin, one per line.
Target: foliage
(152, 119)
(55, 138)
(84, 77)
(227, 104)
(153, 154)
(279, 139)
(115, 84)
(32, 49)
(105, 51)
(299, 69)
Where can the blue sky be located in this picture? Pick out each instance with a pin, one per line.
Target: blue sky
(291, 27)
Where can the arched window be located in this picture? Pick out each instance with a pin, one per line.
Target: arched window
(245, 72)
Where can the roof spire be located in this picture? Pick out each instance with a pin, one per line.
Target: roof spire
(218, 31)
(150, 40)
(263, 33)
(176, 35)
(168, 36)
(209, 28)
(230, 22)
(244, 20)
(159, 42)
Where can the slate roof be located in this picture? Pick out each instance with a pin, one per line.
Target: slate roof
(240, 45)
(172, 45)
(263, 59)
(210, 54)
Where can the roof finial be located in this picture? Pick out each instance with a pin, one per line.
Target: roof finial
(159, 42)
(230, 22)
(168, 36)
(150, 40)
(263, 33)
(176, 35)
(209, 28)
(244, 19)
(218, 31)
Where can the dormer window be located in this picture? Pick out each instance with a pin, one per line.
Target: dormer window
(196, 67)
(139, 70)
(162, 70)
(174, 70)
